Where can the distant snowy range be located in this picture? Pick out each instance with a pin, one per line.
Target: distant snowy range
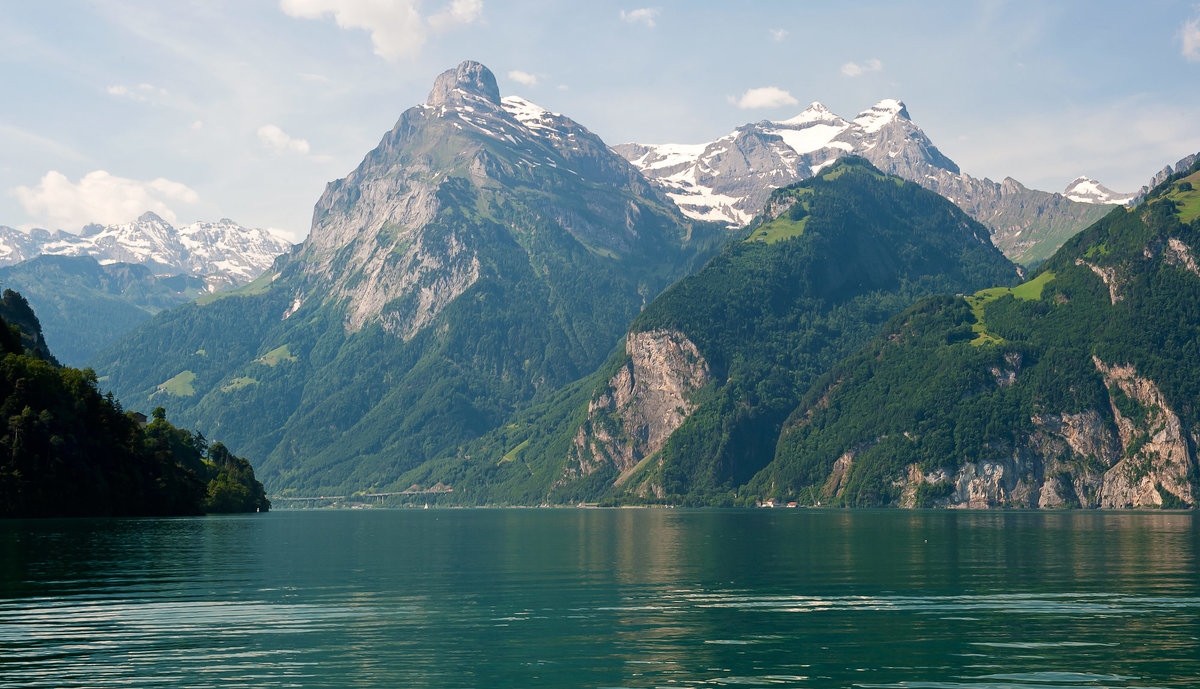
(221, 253)
(89, 288)
(728, 180)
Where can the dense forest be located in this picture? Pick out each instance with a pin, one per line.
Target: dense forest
(66, 449)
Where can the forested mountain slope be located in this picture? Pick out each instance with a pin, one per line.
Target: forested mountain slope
(67, 450)
(1077, 388)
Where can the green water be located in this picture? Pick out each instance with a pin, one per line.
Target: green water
(603, 598)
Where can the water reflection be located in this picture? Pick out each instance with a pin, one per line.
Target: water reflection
(590, 598)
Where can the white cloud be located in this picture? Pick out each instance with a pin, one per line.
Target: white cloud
(197, 125)
(1191, 40)
(854, 69)
(140, 93)
(523, 77)
(778, 34)
(277, 139)
(396, 27)
(459, 12)
(765, 97)
(100, 197)
(286, 235)
(644, 15)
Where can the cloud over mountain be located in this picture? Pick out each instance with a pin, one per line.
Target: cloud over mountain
(397, 28)
(100, 197)
(277, 139)
(765, 97)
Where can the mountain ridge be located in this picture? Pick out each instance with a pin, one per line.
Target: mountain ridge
(728, 180)
(222, 253)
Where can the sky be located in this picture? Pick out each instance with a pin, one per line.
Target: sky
(203, 109)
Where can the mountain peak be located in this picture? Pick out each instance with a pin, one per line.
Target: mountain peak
(149, 216)
(880, 114)
(469, 77)
(815, 112)
(1084, 189)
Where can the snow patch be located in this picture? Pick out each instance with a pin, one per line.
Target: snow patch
(809, 139)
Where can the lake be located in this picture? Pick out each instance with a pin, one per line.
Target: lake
(603, 598)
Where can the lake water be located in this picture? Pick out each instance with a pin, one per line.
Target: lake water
(603, 598)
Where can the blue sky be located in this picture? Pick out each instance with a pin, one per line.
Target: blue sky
(200, 109)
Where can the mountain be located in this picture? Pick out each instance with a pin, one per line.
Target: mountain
(729, 179)
(1088, 190)
(484, 254)
(1161, 176)
(692, 406)
(94, 286)
(222, 253)
(67, 450)
(86, 305)
(1078, 388)
(16, 313)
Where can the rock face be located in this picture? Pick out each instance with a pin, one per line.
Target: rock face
(644, 402)
(1162, 175)
(392, 241)
(1156, 453)
(729, 179)
(222, 253)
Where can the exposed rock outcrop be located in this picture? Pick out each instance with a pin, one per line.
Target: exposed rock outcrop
(1106, 274)
(1156, 457)
(1180, 254)
(644, 402)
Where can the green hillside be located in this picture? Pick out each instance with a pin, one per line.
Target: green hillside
(68, 450)
(83, 305)
(1077, 388)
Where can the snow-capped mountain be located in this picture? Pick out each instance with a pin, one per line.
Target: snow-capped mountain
(729, 179)
(222, 253)
(1088, 190)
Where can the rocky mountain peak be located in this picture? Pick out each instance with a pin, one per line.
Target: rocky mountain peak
(149, 217)
(468, 78)
(815, 112)
(880, 114)
(1087, 190)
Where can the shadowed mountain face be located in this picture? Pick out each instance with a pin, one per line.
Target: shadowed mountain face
(85, 305)
(485, 253)
(729, 179)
